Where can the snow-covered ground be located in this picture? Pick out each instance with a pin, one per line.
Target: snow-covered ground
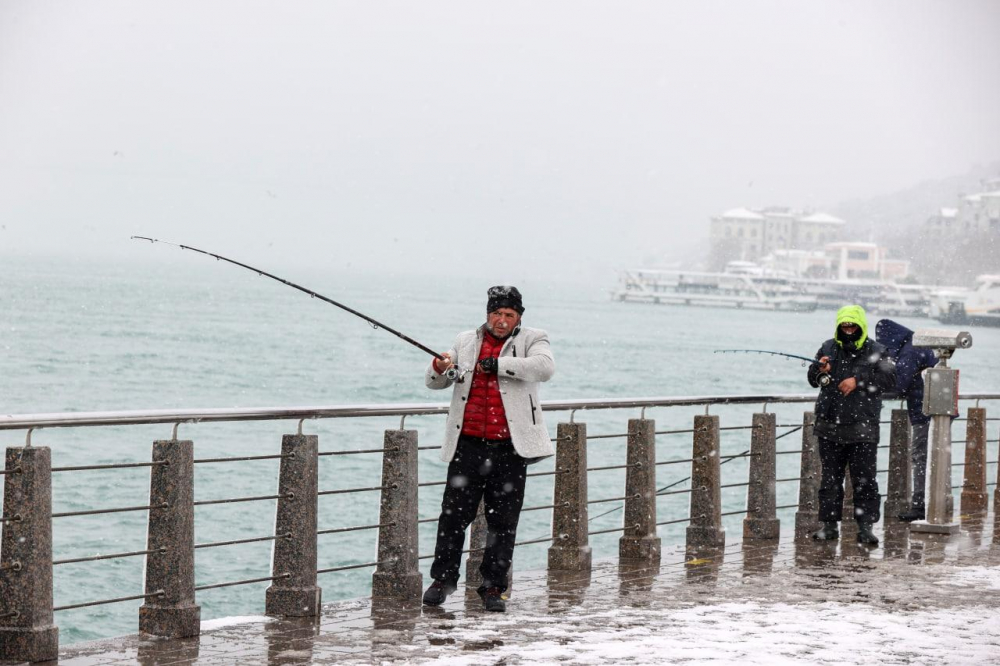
(935, 601)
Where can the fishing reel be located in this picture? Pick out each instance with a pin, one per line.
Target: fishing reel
(456, 374)
(824, 379)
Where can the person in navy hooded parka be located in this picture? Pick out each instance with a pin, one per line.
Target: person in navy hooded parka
(910, 362)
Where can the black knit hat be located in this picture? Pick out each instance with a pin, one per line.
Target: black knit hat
(503, 297)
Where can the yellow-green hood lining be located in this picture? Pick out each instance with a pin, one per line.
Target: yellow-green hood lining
(852, 314)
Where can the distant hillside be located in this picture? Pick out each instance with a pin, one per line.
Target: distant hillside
(896, 221)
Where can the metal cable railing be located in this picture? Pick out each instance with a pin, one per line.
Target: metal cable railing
(7, 424)
(158, 593)
(248, 581)
(237, 500)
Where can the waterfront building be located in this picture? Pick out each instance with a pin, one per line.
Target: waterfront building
(752, 234)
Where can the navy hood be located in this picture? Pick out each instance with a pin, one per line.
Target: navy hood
(910, 362)
(894, 336)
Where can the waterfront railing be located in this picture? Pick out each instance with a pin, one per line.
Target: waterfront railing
(28, 631)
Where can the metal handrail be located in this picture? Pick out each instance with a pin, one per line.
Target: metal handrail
(210, 415)
(154, 416)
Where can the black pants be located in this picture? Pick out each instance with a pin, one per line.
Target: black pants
(861, 458)
(495, 474)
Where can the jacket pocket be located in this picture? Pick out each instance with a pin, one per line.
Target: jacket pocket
(532, 403)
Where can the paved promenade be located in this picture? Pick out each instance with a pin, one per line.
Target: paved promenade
(916, 600)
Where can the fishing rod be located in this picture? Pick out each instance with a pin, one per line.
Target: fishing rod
(823, 379)
(452, 373)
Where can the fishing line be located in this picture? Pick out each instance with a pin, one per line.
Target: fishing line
(453, 372)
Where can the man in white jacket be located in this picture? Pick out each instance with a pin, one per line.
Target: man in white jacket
(495, 428)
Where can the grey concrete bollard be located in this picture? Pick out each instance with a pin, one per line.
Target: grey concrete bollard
(294, 592)
(570, 550)
(173, 612)
(900, 483)
(761, 521)
(639, 542)
(705, 533)
(975, 500)
(397, 575)
(810, 471)
(27, 630)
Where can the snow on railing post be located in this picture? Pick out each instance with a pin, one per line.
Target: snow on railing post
(761, 521)
(570, 550)
(900, 483)
(705, 536)
(397, 575)
(639, 542)
(27, 629)
(170, 609)
(975, 500)
(807, 516)
(294, 591)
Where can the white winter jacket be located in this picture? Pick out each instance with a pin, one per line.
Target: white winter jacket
(525, 360)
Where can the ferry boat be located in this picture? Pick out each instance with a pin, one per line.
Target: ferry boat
(978, 307)
(747, 287)
(885, 299)
(732, 290)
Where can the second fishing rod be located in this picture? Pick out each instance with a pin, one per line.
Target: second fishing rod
(453, 372)
(823, 379)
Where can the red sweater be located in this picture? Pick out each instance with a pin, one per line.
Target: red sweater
(484, 414)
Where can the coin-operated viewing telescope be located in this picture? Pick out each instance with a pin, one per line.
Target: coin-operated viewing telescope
(941, 404)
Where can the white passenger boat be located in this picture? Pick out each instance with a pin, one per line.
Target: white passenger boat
(729, 290)
(977, 307)
(740, 287)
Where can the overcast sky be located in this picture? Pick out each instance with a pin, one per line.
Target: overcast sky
(501, 140)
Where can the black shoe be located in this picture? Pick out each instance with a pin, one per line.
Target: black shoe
(865, 535)
(493, 600)
(916, 512)
(828, 532)
(437, 593)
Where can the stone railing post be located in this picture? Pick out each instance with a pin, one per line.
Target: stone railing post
(294, 591)
(477, 544)
(639, 541)
(807, 516)
(705, 533)
(975, 500)
(170, 609)
(398, 573)
(27, 630)
(570, 550)
(900, 483)
(761, 521)
(996, 506)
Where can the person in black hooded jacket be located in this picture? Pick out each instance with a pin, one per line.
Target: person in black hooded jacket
(847, 421)
(910, 362)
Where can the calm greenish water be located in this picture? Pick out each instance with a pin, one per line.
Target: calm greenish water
(188, 332)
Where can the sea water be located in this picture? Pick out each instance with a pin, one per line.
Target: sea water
(180, 331)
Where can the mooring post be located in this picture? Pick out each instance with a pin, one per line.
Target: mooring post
(170, 609)
(27, 630)
(761, 521)
(639, 541)
(398, 574)
(570, 550)
(975, 500)
(900, 483)
(705, 533)
(294, 591)
(807, 515)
